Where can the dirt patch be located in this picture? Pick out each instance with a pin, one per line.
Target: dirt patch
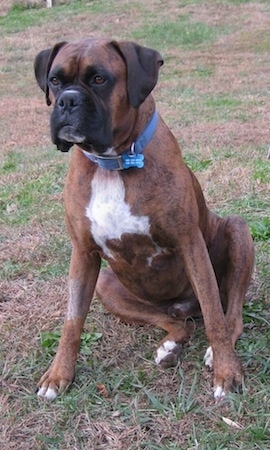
(228, 135)
(5, 6)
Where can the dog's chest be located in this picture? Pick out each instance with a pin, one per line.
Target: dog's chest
(109, 213)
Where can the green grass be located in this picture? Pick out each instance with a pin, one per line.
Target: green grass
(196, 164)
(28, 195)
(204, 71)
(11, 163)
(142, 406)
(261, 171)
(22, 16)
(183, 33)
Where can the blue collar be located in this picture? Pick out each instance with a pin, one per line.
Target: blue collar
(132, 157)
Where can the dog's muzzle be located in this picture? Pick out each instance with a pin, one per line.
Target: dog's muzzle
(79, 118)
(65, 132)
(67, 103)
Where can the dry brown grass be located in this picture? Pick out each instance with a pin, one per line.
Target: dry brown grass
(34, 248)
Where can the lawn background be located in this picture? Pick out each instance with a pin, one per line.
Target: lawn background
(213, 92)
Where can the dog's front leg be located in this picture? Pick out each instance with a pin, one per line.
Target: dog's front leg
(227, 369)
(83, 274)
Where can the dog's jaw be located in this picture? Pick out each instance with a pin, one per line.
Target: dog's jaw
(70, 134)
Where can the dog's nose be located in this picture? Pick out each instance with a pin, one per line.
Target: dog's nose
(68, 100)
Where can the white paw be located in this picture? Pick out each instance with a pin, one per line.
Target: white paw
(165, 350)
(47, 393)
(208, 358)
(219, 393)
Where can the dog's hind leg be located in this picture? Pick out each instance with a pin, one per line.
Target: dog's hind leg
(240, 267)
(121, 303)
(232, 256)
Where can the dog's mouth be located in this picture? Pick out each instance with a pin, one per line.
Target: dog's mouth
(69, 134)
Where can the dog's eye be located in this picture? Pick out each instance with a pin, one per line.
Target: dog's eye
(55, 81)
(98, 79)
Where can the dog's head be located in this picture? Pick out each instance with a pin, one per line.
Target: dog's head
(95, 85)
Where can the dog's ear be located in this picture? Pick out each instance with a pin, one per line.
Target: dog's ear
(42, 65)
(143, 65)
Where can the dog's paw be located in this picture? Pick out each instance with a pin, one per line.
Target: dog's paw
(52, 390)
(208, 358)
(228, 375)
(221, 390)
(167, 354)
(219, 393)
(54, 382)
(48, 393)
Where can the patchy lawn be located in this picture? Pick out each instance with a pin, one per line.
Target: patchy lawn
(214, 93)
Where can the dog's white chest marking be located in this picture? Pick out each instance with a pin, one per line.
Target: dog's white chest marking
(108, 212)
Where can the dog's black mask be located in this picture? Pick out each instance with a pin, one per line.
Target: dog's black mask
(79, 118)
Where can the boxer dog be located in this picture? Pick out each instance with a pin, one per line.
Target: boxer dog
(130, 199)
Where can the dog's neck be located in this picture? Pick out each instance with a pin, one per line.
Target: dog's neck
(132, 157)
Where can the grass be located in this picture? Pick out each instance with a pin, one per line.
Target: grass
(28, 191)
(183, 33)
(212, 93)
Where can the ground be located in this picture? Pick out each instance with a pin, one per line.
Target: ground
(214, 93)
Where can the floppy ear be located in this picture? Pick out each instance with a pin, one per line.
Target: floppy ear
(42, 65)
(143, 65)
